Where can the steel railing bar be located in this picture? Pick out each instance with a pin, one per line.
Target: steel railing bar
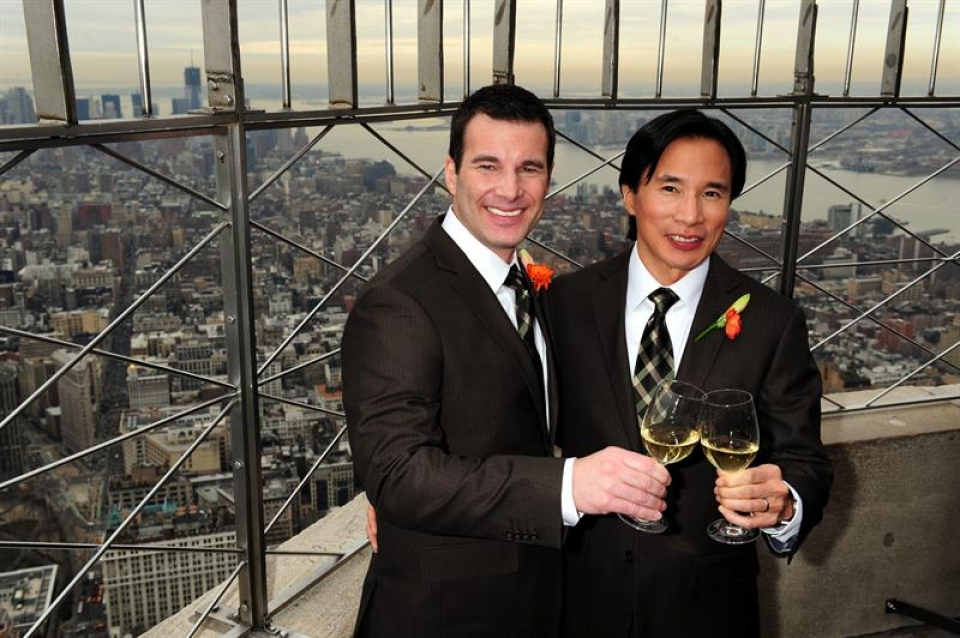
(216, 599)
(129, 310)
(935, 58)
(16, 159)
(875, 320)
(466, 48)
(887, 299)
(158, 175)
(284, 55)
(299, 552)
(893, 404)
(353, 268)
(399, 153)
(290, 162)
(586, 149)
(582, 176)
(843, 129)
(557, 48)
(750, 127)
(872, 262)
(119, 546)
(765, 178)
(757, 46)
(143, 60)
(68, 589)
(105, 444)
(304, 480)
(932, 130)
(388, 35)
(300, 404)
(299, 366)
(309, 251)
(913, 373)
(878, 210)
(291, 593)
(661, 47)
(118, 357)
(850, 47)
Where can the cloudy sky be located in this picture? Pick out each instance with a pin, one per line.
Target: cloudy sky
(102, 40)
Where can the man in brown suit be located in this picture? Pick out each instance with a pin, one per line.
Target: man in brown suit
(451, 405)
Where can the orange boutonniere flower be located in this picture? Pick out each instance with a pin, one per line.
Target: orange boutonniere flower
(730, 320)
(540, 274)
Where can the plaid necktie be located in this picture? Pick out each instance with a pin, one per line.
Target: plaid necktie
(524, 308)
(655, 356)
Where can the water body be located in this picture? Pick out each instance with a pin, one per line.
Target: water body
(935, 205)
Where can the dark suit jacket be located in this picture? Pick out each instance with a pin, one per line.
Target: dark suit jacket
(679, 583)
(446, 423)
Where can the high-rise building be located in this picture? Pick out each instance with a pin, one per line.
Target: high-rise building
(147, 388)
(24, 595)
(111, 106)
(83, 109)
(79, 394)
(11, 443)
(192, 87)
(18, 107)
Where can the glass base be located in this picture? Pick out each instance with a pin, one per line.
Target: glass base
(723, 531)
(643, 525)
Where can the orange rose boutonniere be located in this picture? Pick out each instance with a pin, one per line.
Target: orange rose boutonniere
(730, 320)
(540, 274)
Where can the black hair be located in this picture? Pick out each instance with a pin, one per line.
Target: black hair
(648, 145)
(501, 102)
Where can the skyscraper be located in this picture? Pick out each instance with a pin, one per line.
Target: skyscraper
(18, 107)
(191, 86)
(11, 446)
(111, 106)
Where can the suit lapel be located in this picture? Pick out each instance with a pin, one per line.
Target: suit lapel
(608, 300)
(719, 292)
(473, 290)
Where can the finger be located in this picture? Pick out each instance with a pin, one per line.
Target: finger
(757, 521)
(647, 466)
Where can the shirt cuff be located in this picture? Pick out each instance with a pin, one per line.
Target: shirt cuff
(568, 508)
(783, 537)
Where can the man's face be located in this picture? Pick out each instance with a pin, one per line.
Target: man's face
(682, 210)
(499, 191)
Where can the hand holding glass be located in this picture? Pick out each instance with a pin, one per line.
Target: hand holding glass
(730, 437)
(669, 431)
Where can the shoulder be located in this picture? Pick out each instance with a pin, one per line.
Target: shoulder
(587, 277)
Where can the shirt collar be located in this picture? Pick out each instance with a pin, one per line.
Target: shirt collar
(493, 269)
(640, 283)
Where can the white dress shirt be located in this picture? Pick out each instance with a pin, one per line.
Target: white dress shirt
(679, 319)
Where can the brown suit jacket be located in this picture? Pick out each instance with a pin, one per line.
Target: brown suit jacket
(449, 438)
(620, 582)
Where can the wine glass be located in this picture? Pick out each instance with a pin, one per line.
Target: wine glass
(669, 431)
(730, 437)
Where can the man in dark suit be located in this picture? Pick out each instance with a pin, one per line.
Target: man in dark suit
(678, 177)
(451, 412)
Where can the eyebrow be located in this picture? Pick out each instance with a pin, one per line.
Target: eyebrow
(490, 159)
(673, 179)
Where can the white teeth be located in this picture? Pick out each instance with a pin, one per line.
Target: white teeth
(504, 213)
(684, 240)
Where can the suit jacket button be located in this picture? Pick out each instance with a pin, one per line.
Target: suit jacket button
(509, 536)
(629, 557)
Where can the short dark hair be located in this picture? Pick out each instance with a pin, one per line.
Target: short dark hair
(501, 102)
(648, 145)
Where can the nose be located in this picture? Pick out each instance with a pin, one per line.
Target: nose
(509, 185)
(689, 211)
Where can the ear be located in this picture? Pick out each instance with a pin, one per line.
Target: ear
(450, 175)
(629, 200)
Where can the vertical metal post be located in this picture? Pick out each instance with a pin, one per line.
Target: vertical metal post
(758, 45)
(611, 49)
(50, 67)
(388, 48)
(342, 53)
(558, 42)
(662, 47)
(466, 48)
(504, 40)
(850, 47)
(931, 88)
(710, 63)
(285, 54)
(143, 57)
(430, 50)
(799, 141)
(893, 57)
(222, 57)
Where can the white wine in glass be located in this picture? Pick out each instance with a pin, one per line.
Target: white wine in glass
(669, 429)
(730, 436)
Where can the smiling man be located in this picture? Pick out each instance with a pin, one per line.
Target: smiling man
(678, 177)
(451, 410)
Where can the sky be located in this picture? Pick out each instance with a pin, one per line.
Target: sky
(102, 40)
